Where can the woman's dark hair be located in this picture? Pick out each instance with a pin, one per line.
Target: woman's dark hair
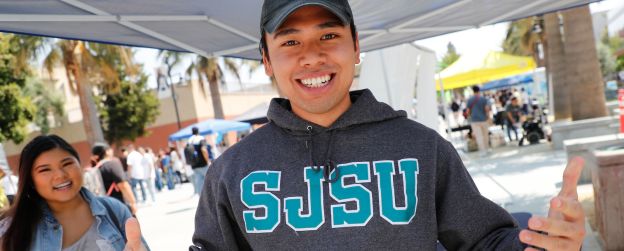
(99, 150)
(25, 213)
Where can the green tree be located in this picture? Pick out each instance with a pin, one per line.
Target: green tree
(607, 61)
(87, 66)
(125, 114)
(450, 57)
(48, 102)
(16, 111)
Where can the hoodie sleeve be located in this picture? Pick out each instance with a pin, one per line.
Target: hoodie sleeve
(467, 220)
(215, 228)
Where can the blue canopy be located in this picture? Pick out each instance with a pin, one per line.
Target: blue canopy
(209, 127)
(510, 81)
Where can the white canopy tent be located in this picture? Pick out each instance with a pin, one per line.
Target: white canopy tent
(399, 76)
(231, 28)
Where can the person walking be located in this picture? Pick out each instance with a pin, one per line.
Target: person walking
(513, 112)
(478, 110)
(177, 164)
(116, 183)
(198, 154)
(148, 164)
(9, 183)
(136, 171)
(167, 169)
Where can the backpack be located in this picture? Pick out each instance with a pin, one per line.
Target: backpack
(193, 155)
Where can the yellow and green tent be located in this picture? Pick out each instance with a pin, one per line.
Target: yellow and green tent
(477, 68)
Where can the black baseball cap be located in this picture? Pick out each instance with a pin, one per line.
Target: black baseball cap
(274, 12)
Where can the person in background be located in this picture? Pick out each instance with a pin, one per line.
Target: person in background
(513, 112)
(116, 182)
(124, 160)
(136, 171)
(9, 184)
(198, 157)
(478, 108)
(177, 164)
(167, 169)
(92, 178)
(4, 201)
(147, 163)
(52, 211)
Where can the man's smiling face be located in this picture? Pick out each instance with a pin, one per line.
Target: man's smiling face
(312, 56)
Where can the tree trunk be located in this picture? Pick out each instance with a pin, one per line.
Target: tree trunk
(90, 120)
(583, 74)
(556, 66)
(215, 96)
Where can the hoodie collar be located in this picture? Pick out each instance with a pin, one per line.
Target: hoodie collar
(364, 109)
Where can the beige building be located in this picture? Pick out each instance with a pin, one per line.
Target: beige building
(193, 106)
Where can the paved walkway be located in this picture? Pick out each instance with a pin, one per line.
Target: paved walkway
(520, 179)
(168, 224)
(524, 179)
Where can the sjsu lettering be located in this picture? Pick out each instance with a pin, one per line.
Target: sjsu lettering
(269, 217)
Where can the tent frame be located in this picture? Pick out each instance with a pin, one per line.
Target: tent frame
(129, 22)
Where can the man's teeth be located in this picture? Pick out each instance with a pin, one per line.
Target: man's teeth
(62, 185)
(316, 82)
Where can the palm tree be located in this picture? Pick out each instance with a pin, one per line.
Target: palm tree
(583, 73)
(170, 59)
(522, 38)
(556, 66)
(573, 63)
(87, 65)
(210, 69)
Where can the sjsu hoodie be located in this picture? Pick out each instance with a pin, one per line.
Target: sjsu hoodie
(374, 180)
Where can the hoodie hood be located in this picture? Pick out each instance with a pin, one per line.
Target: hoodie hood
(364, 109)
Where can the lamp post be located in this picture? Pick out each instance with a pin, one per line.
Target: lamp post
(165, 80)
(175, 100)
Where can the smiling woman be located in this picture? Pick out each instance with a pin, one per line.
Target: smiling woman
(52, 211)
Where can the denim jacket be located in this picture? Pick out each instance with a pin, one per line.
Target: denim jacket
(49, 234)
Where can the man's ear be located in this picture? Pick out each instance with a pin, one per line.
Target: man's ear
(268, 70)
(357, 48)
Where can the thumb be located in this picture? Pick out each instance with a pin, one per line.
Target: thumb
(571, 175)
(133, 234)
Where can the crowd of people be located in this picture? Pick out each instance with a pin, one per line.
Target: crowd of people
(507, 108)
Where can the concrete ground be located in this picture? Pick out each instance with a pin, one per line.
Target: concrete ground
(524, 179)
(520, 179)
(168, 224)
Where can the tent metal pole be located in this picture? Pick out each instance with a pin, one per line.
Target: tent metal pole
(56, 18)
(235, 50)
(514, 12)
(233, 30)
(449, 131)
(166, 38)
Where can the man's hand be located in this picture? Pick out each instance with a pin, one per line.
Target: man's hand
(133, 234)
(564, 229)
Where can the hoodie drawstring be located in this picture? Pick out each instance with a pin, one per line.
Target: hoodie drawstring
(329, 164)
(310, 146)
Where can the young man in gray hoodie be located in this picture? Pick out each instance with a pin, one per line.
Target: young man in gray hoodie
(338, 170)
